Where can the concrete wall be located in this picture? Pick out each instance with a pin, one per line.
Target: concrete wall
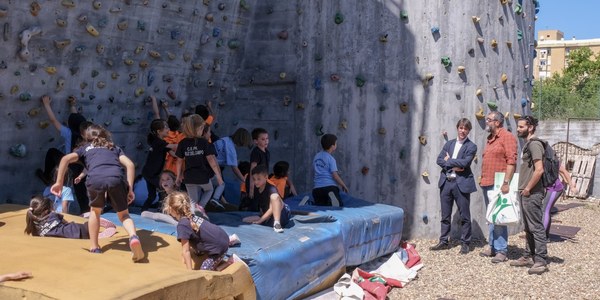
(280, 78)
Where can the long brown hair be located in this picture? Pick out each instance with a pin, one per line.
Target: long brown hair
(98, 136)
(180, 203)
(39, 208)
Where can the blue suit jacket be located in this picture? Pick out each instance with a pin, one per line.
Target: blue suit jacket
(466, 154)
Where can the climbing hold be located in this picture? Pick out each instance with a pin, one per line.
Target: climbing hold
(154, 54)
(383, 38)
(343, 124)
(216, 32)
(122, 25)
(517, 116)
(6, 31)
(475, 19)
(506, 115)
(114, 75)
(204, 38)
(197, 66)
(210, 83)
(139, 49)
(382, 107)
(128, 61)
(364, 170)
(423, 140)
(519, 34)
(425, 174)
(99, 48)
(132, 78)
(492, 105)
(282, 75)
(82, 18)
(478, 92)
(300, 106)
(61, 22)
(221, 6)
(115, 9)
(381, 131)
(139, 91)
(335, 77)
(360, 81)
(504, 77)
(233, 44)
(446, 61)
(171, 93)
(25, 96)
(150, 77)
(95, 73)
(18, 150)
(3, 12)
(14, 89)
(286, 100)
(244, 5)
(80, 48)
(219, 43)
(304, 44)
(25, 36)
(479, 114)
(91, 30)
(101, 84)
(404, 15)
(33, 112)
(518, 9)
(209, 17)
(404, 107)
(339, 18)
(50, 70)
(460, 69)
(61, 44)
(503, 2)
(143, 64)
(171, 55)
(317, 83)
(509, 44)
(141, 25)
(494, 43)
(282, 35)
(43, 124)
(60, 84)
(480, 40)
(97, 4)
(128, 120)
(3, 65)
(68, 3)
(435, 30)
(319, 130)
(35, 8)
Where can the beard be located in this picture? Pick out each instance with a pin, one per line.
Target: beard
(523, 134)
(488, 128)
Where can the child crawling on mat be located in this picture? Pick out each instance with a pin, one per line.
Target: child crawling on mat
(43, 221)
(197, 235)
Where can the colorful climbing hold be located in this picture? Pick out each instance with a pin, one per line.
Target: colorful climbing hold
(18, 150)
(282, 35)
(404, 15)
(446, 61)
(343, 124)
(128, 120)
(43, 124)
(360, 81)
(435, 30)
(480, 40)
(35, 8)
(233, 44)
(383, 38)
(460, 69)
(317, 83)
(282, 75)
(335, 77)
(92, 30)
(504, 77)
(423, 140)
(381, 130)
(50, 70)
(475, 19)
(364, 170)
(404, 107)
(479, 92)
(319, 130)
(492, 105)
(479, 114)
(518, 9)
(139, 91)
(519, 34)
(339, 18)
(494, 44)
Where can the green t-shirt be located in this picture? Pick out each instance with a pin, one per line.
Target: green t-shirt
(532, 151)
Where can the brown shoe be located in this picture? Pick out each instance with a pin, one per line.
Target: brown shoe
(500, 257)
(538, 269)
(522, 262)
(488, 252)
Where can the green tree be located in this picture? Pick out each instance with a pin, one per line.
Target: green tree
(575, 93)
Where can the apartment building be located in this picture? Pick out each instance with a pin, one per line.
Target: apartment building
(553, 52)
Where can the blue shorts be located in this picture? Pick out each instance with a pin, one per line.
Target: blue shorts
(286, 215)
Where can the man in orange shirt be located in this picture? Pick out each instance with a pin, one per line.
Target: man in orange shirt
(499, 155)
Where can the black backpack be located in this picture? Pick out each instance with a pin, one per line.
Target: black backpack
(550, 161)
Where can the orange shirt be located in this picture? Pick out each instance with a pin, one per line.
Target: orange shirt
(174, 137)
(500, 151)
(280, 184)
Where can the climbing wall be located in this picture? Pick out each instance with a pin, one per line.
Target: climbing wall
(387, 77)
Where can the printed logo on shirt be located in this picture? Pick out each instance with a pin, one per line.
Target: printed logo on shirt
(320, 163)
(193, 150)
(46, 227)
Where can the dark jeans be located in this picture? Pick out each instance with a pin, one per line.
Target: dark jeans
(535, 234)
(321, 195)
(449, 193)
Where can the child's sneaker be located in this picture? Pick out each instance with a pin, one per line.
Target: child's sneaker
(96, 251)
(234, 240)
(136, 248)
(277, 228)
(303, 201)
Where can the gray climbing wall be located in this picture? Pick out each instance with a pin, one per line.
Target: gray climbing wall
(387, 77)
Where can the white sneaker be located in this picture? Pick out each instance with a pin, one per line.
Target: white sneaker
(217, 204)
(303, 201)
(277, 228)
(334, 199)
(234, 240)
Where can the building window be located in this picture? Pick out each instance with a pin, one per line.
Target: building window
(542, 62)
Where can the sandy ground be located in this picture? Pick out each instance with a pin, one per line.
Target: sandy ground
(574, 266)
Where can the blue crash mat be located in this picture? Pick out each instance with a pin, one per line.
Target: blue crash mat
(311, 249)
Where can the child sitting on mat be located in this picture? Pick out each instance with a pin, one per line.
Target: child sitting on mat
(43, 221)
(196, 234)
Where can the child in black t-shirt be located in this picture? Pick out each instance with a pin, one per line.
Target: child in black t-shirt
(196, 234)
(259, 155)
(273, 212)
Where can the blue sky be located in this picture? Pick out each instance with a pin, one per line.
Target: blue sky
(579, 18)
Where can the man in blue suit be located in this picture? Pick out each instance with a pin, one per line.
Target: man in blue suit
(456, 184)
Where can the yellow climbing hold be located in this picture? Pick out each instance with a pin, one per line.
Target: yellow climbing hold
(34, 112)
(139, 91)
(478, 92)
(91, 30)
(475, 19)
(43, 124)
(425, 174)
(479, 114)
(128, 61)
(50, 70)
(460, 69)
(494, 44)
(154, 54)
(504, 77)
(517, 116)
(143, 64)
(423, 140)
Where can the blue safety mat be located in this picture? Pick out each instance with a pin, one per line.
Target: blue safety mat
(312, 248)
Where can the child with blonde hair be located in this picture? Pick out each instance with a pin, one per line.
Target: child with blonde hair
(196, 234)
(42, 220)
(104, 163)
(200, 162)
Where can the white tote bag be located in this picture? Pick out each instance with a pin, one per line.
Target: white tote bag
(503, 209)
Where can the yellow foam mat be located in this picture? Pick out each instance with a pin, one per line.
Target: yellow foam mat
(64, 269)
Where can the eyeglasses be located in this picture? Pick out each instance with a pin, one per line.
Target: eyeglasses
(488, 120)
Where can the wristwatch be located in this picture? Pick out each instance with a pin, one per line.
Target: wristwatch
(506, 182)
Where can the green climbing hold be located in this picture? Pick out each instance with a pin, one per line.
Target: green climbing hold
(219, 43)
(318, 57)
(339, 18)
(360, 81)
(404, 15)
(319, 130)
(127, 120)
(25, 96)
(519, 34)
(492, 105)
(95, 73)
(244, 5)
(18, 150)
(233, 44)
(446, 61)
(518, 9)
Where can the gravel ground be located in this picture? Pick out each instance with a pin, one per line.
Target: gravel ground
(574, 266)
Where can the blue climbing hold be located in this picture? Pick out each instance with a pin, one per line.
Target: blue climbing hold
(317, 84)
(216, 32)
(435, 30)
(523, 102)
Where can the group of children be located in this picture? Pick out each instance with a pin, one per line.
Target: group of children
(199, 158)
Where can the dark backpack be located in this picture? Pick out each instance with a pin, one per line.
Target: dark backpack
(550, 161)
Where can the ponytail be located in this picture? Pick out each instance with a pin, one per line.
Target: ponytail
(39, 208)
